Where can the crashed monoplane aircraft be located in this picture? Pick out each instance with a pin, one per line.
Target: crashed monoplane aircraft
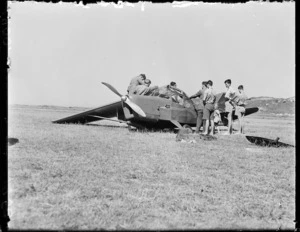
(151, 112)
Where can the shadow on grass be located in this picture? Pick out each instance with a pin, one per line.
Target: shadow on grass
(113, 126)
(144, 130)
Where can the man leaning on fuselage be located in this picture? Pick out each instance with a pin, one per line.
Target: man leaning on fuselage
(198, 104)
(136, 81)
(145, 89)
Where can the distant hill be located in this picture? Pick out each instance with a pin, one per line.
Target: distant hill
(261, 98)
(51, 107)
(266, 105)
(271, 105)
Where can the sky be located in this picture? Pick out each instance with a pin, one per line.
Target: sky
(61, 52)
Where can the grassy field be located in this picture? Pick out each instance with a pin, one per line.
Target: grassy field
(103, 176)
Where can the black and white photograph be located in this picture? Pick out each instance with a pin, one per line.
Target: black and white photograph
(151, 116)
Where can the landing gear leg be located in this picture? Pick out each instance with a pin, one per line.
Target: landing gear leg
(136, 127)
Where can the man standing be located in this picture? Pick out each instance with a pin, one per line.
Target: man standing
(230, 97)
(240, 108)
(145, 89)
(209, 100)
(138, 80)
(198, 103)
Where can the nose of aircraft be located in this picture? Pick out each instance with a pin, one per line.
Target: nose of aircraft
(127, 100)
(123, 98)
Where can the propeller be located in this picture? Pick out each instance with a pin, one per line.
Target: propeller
(112, 88)
(135, 107)
(126, 99)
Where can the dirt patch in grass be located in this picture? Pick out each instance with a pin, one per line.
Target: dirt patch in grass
(101, 177)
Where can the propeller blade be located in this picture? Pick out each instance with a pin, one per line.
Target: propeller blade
(132, 105)
(135, 107)
(112, 88)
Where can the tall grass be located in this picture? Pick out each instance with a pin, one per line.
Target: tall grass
(104, 177)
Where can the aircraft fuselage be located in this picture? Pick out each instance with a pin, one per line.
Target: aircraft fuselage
(159, 111)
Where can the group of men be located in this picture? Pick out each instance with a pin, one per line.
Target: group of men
(207, 107)
(141, 86)
(204, 101)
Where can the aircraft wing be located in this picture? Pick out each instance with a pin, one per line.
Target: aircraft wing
(106, 111)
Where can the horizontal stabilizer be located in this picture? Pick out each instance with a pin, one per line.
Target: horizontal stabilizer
(248, 111)
(251, 110)
(224, 115)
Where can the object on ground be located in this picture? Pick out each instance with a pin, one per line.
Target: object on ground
(12, 141)
(207, 137)
(264, 142)
(190, 141)
(186, 135)
(183, 133)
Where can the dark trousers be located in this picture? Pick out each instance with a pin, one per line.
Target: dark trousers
(199, 120)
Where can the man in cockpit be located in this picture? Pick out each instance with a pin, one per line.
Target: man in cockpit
(171, 91)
